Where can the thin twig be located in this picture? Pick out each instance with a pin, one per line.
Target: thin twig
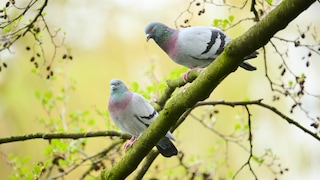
(100, 154)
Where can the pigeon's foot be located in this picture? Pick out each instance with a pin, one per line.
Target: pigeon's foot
(185, 75)
(129, 143)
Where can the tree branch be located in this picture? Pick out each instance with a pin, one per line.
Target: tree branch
(251, 148)
(261, 104)
(25, 29)
(289, 120)
(146, 164)
(206, 82)
(172, 85)
(48, 136)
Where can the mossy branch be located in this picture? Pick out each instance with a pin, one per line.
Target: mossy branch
(48, 136)
(206, 82)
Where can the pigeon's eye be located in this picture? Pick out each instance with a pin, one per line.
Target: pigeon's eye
(150, 29)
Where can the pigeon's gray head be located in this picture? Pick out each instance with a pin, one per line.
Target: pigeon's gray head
(155, 30)
(117, 86)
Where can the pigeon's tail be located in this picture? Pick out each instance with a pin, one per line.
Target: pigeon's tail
(245, 65)
(166, 148)
(252, 55)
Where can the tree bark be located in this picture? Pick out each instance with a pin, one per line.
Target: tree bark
(207, 81)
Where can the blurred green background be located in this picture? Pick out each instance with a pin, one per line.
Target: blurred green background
(108, 41)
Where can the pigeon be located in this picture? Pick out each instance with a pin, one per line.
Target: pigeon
(132, 113)
(192, 47)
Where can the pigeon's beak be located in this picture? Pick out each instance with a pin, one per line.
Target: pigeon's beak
(148, 37)
(113, 87)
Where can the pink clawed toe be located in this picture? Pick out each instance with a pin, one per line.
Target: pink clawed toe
(185, 75)
(129, 143)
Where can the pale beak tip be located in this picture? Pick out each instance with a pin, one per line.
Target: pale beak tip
(147, 37)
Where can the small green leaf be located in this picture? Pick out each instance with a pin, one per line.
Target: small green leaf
(63, 90)
(255, 159)
(48, 151)
(225, 23)
(37, 94)
(269, 2)
(48, 95)
(216, 22)
(231, 18)
(237, 127)
(37, 169)
(7, 29)
(134, 87)
(230, 174)
(62, 162)
(91, 122)
(11, 156)
(25, 160)
(258, 160)
(90, 178)
(212, 150)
